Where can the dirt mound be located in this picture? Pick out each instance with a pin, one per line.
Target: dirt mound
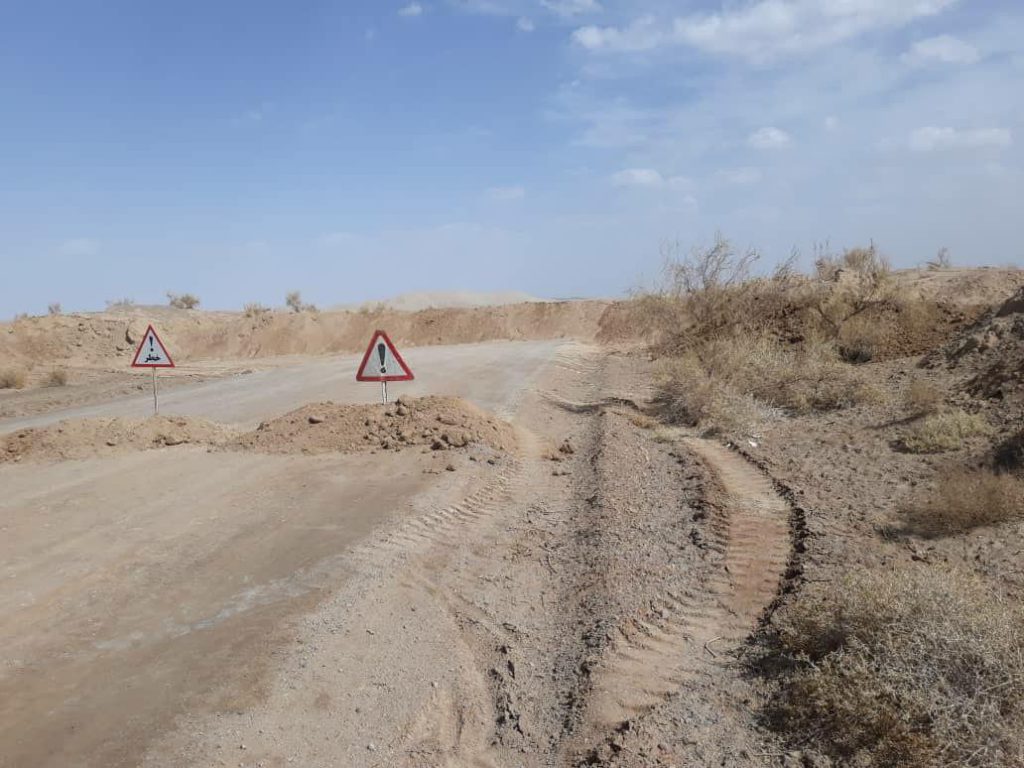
(440, 423)
(85, 438)
(109, 338)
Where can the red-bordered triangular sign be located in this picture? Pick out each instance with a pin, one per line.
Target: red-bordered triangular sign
(151, 352)
(382, 361)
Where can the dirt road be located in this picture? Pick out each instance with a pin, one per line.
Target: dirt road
(575, 602)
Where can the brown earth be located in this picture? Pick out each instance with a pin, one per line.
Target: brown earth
(441, 423)
(593, 597)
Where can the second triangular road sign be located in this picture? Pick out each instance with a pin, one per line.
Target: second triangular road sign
(382, 361)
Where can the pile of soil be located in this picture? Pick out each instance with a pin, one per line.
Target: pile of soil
(988, 356)
(85, 438)
(440, 423)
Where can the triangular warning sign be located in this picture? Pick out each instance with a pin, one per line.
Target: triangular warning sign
(382, 361)
(151, 352)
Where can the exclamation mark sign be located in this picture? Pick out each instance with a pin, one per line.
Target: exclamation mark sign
(381, 352)
(151, 343)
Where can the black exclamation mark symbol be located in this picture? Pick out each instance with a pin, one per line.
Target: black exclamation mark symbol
(151, 343)
(381, 352)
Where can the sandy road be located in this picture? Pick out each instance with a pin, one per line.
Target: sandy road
(138, 588)
(490, 374)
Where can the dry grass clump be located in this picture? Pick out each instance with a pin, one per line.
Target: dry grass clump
(13, 378)
(944, 431)
(182, 300)
(54, 308)
(922, 398)
(255, 310)
(293, 300)
(913, 667)
(963, 500)
(730, 384)
(58, 377)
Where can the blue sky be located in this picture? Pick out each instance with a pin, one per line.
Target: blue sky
(354, 150)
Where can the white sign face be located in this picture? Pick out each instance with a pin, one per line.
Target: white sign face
(151, 352)
(382, 362)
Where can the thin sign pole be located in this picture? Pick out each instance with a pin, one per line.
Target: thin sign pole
(384, 392)
(156, 407)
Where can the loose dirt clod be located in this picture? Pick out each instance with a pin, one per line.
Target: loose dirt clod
(442, 423)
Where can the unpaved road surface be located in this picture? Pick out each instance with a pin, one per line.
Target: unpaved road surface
(576, 602)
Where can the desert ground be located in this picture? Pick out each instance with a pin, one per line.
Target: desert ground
(611, 533)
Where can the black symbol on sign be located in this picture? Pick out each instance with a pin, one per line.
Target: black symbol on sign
(152, 357)
(381, 352)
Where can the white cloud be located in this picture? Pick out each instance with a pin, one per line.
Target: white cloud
(763, 29)
(524, 24)
(506, 194)
(769, 137)
(335, 240)
(79, 247)
(832, 123)
(944, 49)
(412, 9)
(570, 8)
(648, 178)
(934, 139)
(740, 177)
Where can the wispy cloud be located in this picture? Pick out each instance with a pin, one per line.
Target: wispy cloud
(944, 49)
(769, 137)
(411, 10)
(571, 8)
(760, 30)
(506, 194)
(524, 24)
(934, 139)
(79, 247)
(649, 178)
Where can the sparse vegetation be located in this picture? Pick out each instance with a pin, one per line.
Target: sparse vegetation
(13, 378)
(120, 303)
(293, 300)
(963, 500)
(182, 300)
(944, 431)
(54, 308)
(913, 667)
(922, 398)
(58, 377)
(254, 310)
(942, 260)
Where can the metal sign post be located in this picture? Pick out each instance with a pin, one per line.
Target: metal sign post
(152, 354)
(384, 392)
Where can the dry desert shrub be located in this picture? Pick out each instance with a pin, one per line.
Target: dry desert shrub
(913, 667)
(58, 377)
(255, 310)
(944, 431)
(963, 500)
(293, 300)
(54, 308)
(922, 398)
(730, 384)
(182, 300)
(125, 303)
(13, 378)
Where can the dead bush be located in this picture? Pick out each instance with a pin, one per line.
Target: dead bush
(922, 398)
(912, 667)
(116, 304)
(944, 431)
(58, 377)
(13, 378)
(942, 260)
(729, 383)
(293, 300)
(182, 300)
(962, 500)
(54, 308)
(254, 310)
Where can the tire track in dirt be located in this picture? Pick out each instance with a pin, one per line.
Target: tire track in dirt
(683, 635)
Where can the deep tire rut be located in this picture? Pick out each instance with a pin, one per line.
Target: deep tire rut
(685, 635)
